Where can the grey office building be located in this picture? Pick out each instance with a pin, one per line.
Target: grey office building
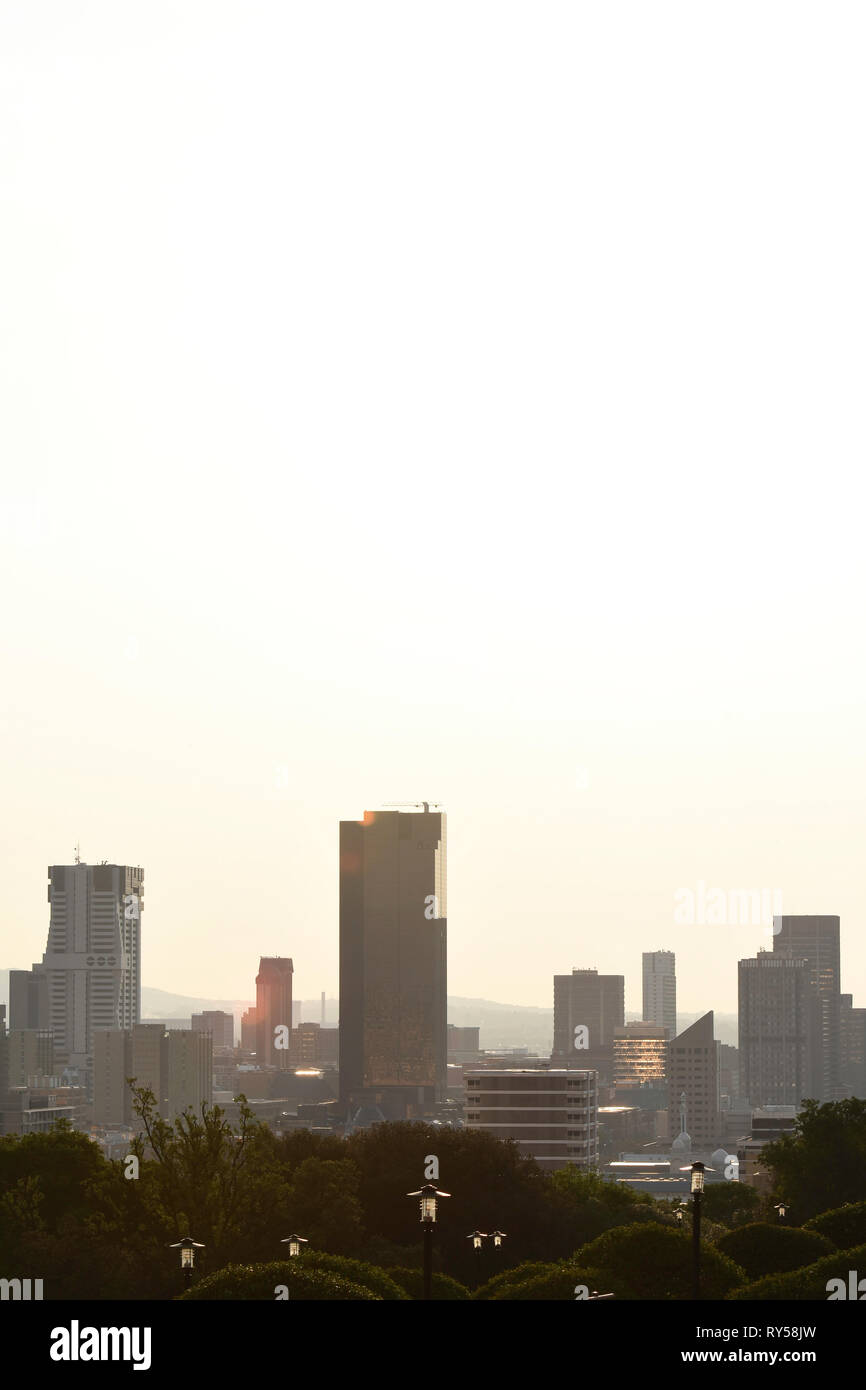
(816, 940)
(779, 1031)
(588, 1008)
(660, 990)
(90, 974)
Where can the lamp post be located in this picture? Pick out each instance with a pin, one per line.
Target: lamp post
(782, 1208)
(697, 1194)
(429, 1203)
(294, 1243)
(187, 1248)
(498, 1237)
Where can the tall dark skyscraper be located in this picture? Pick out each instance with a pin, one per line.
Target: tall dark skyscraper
(393, 1004)
(273, 1010)
(816, 940)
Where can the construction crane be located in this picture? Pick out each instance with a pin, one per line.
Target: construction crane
(426, 804)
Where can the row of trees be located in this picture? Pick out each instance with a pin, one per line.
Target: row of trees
(75, 1220)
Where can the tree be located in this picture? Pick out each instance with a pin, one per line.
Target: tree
(822, 1163)
(492, 1187)
(768, 1248)
(651, 1261)
(730, 1203)
(809, 1284)
(323, 1204)
(845, 1226)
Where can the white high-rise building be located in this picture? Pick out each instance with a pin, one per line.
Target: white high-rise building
(660, 990)
(92, 962)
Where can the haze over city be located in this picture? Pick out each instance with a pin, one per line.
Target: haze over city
(313, 504)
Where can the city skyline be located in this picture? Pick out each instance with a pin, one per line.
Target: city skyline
(745, 937)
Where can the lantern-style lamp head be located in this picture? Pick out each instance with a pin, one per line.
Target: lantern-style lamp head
(497, 1237)
(477, 1238)
(187, 1248)
(294, 1243)
(697, 1171)
(429, 1196)
(782, 1209)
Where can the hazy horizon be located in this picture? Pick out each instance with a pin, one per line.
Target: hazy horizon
(458, 404)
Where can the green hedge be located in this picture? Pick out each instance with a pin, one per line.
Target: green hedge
(519, 1274)
(555, 1283)
(443, 1286)
(764, 1248)
(371, 1277)
(844, 1226)
(808, 1284)
(655, 1262)
(248, 1282)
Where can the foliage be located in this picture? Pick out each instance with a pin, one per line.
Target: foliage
(730, 1203)
(518, 1274)
(808, 1284)
(441, 1286)
(844, 1226)
(357, 1272)
(553, 1283)
(764, 1248)
(655, 1262)
(821, 1164)
(247, 1282)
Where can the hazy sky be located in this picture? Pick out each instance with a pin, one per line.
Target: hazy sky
(457, 401)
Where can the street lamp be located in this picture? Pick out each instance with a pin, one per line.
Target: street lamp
(697, 1172)
(477, 1238)
(498, 1237)
(187, 1248)
(782, 1209)
(429, 1195)
(294, 1243)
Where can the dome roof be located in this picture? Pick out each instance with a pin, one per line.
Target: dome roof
(682, 1143)
(720, 1159)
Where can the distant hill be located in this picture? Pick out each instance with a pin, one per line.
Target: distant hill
(502, 1025)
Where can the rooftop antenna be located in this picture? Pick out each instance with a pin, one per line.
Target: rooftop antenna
(425, 804)
(77, 852)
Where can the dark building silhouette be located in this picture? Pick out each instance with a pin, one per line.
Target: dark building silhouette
(588, 1008)
(393, 921)
(273, 1011)
(816, 940)
(779, 1030)
(28, 999)
(853, 1048)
